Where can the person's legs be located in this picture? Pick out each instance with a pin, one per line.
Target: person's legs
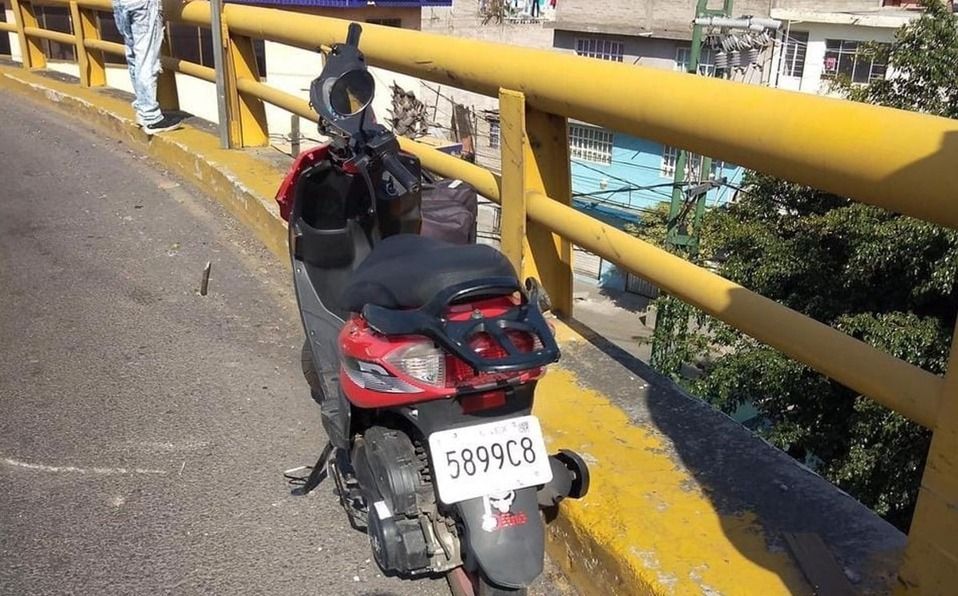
(146, 28)
(122, 17)
(535, 8)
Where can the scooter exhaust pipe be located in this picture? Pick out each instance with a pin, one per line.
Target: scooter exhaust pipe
(570, 479)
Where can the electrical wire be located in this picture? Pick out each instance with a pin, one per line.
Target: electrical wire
(617, 178)
(598, 201)
(599, 194)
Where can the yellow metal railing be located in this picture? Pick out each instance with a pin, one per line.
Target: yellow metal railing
(902, 161)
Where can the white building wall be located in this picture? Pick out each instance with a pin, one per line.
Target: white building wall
(14, 40)
(811, 80)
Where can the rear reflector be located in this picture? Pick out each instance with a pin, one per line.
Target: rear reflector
(482, 401)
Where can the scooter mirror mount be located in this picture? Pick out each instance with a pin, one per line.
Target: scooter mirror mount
(351, 93)
(343, 92)
(342, 95)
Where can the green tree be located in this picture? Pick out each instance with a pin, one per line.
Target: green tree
(884, 278)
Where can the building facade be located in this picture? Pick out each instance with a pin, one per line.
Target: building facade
(619, 174)
(817, 47)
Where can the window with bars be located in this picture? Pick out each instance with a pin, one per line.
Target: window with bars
(683, 56)
(693, 166)
(852, 59)
(56, 18)
(793, 59)
(493, 134)
(596, 47)
(193, 44)
(590, 144)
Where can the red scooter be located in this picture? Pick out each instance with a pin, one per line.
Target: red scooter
(423, 356)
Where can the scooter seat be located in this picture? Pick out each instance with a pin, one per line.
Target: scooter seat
(407, 270)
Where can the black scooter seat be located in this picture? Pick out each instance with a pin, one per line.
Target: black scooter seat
(407, 271)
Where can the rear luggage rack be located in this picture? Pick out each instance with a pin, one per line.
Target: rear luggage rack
(455, 336)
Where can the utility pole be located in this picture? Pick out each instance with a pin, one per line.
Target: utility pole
(672, 318)
(687, 208)
(678, 233)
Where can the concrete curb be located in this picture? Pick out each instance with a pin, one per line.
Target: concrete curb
(649, 526)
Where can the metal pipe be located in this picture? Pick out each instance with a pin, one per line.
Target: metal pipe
(56, 36)
(10, 27)
(751, 23)
(766, 23)
(219, 62)
(287, 101)
(294, 136)
(189, 68)
(102, 5)
(905, 388)
(175, 64)
(105, 46)
(803, 138)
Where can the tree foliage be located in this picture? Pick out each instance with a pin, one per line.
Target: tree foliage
(925, 56)
(884, 278)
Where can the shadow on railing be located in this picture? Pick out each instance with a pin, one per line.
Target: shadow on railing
(802, 138)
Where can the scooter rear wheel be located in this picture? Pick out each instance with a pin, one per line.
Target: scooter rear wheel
(487, 589)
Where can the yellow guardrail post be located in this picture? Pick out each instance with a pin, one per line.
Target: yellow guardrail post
(513, 141)
(31, 50)
(91, 62)
(535, 158)
(931, 557)
(166, 92)
(247, 113)
(548, 171)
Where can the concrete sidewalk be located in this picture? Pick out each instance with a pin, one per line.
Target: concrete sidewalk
(620, 317)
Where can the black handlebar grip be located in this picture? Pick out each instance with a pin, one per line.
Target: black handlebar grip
(407, 179)
(352, 34)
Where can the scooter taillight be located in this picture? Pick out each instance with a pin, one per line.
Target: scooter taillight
(422, 361)
(458, 373)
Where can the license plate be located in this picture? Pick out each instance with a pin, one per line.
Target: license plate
(489, 459)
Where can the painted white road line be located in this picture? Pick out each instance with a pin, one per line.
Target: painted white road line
(75, 470)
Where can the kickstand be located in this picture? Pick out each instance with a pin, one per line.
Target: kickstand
(317, 473)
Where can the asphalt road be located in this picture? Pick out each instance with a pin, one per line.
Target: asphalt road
(144, 428)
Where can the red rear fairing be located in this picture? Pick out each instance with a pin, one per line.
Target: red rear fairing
(384, 372)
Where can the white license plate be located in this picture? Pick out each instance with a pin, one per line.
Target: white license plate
(488, 459)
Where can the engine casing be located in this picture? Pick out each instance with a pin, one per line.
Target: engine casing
(407, 533)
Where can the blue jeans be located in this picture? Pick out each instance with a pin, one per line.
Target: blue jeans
(141, 24)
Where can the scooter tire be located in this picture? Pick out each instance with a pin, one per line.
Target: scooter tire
(488, 589)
